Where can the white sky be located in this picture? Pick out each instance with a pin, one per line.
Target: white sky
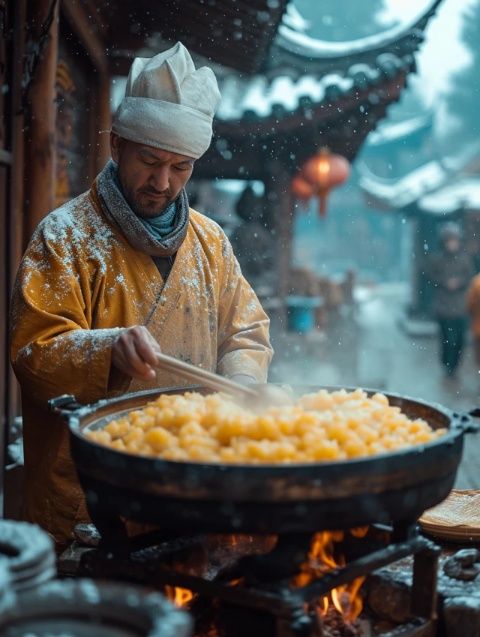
(442, 52)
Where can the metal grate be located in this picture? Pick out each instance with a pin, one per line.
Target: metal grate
(265, 595)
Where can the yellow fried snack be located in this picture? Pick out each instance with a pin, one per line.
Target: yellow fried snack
(320, 427)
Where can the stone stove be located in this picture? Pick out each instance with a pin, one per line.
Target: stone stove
(242, 585)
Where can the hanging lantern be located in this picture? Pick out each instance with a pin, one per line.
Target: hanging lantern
(322, 172)
(302, 189)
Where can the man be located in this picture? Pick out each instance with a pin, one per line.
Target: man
(125, 271)
(451, 271)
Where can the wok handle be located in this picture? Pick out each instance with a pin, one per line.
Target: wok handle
(64, 405)
(466, 423)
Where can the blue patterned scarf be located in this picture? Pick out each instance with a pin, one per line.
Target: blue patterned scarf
(163, 225)
(162, 237)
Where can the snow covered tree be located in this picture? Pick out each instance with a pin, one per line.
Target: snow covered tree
(463, 98)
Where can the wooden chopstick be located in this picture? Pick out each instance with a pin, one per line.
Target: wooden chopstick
(204, 377)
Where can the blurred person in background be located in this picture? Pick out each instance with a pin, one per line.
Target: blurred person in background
(451, 271)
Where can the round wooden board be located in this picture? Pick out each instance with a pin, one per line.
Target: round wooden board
(456, 519)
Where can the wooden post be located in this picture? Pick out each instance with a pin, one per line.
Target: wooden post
(41, 111)
(80, 16)
(16, 208)
(280, 214)
(103, 122)
(280, 202)
(11, 220)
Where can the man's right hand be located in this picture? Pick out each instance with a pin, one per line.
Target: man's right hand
(135, 353)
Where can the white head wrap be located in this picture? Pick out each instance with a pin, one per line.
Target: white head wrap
(169, 104)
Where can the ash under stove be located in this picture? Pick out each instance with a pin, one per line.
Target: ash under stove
(247, 580)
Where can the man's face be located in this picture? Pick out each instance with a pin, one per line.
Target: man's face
(150, 178)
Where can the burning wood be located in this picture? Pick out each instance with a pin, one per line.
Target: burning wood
(322, 558)
(333, 625)
(180, 597)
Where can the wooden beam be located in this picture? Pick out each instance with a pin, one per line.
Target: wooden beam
(17, 177)
(95, 13)
(237, 163)
(40, 141)
(87, 34)
(240, 26)
(103, 123)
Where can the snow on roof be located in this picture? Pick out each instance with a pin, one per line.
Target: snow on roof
(403, 192)
(260, 96)
(306, 46)
(294, 19)
(464, 193)
(390, 132)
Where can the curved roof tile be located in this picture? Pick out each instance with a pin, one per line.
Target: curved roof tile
(303, 47)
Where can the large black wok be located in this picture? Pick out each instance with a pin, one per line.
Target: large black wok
(193, 497)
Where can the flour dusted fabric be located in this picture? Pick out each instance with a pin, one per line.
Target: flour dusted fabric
(168, 103)
(138, 236)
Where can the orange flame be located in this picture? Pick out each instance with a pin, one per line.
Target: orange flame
(321, 559)
(179, 596)
(360, 531)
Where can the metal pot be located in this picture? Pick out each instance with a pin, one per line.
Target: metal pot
(28, 553)
(83, 608)
(192, 497)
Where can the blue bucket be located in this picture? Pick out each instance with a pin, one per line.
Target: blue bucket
(301, 315)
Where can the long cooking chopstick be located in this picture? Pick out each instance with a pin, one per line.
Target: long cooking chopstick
(203, 377)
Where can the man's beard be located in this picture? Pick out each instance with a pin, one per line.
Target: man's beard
(144, 207)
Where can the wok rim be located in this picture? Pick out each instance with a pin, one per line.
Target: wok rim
(75, 419)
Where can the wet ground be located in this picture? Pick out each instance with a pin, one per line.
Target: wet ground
(368, 346)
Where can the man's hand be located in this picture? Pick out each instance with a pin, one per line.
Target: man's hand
(135, 353)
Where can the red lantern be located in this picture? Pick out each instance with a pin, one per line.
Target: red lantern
(302, 189)
(322, 172)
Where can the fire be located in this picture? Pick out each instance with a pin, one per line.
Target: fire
(179, 596)
(321, 559)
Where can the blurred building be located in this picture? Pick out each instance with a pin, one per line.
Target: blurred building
(440, 189)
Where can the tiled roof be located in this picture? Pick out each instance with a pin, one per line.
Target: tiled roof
(294, 49)
(462, 193)
(260, 98)
(303, 72)
(391, 132)
(402, 193)
(437, 187)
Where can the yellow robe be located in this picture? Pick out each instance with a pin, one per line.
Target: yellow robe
(78, 283)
